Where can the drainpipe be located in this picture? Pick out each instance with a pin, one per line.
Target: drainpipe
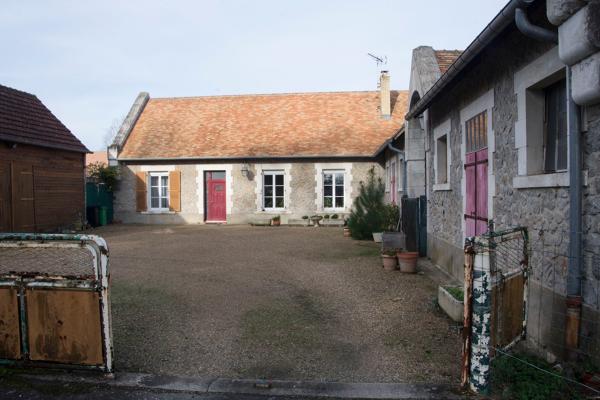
(573, 314)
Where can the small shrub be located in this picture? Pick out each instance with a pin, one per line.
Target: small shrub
(456, 292)
(276, 218)
(389, 252)
(102, 173)
(305, 217)
(368, 212)
(392, 215)
(326, 216)
(334, 216)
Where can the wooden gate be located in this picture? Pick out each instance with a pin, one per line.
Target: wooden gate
(54, 305)
(414, 223)
(17, 211)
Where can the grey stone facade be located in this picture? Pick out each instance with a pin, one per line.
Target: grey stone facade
(544, 210)
(244, 197)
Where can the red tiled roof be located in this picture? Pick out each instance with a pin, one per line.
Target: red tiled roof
(96, 156)
(25, 119)
(276, 125)
(445, 58)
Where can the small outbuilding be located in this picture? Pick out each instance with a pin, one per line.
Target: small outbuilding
(42, 167)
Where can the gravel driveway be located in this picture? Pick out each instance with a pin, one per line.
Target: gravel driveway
(272, 302)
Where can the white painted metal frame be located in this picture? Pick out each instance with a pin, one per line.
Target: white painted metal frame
(333, 173)
(347, 169)
(273, 173)
(159, 175)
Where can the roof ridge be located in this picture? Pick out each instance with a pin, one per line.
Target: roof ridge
(17, 90)
(272, 94)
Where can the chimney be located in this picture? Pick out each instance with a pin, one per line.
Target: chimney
(384, 95)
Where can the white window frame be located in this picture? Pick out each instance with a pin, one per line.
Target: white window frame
(159, 175)
(438, 132)
(333, 193)
(273, 196)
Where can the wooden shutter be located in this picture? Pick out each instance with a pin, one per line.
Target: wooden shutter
(141, 199)
(175, 191)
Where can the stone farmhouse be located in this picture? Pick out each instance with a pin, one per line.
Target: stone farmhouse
(510, 133)
(243, 159)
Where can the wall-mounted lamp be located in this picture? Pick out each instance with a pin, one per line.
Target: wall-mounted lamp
(245, 170)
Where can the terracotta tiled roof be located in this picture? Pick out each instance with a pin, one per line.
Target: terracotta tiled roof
(276, 125)
(96, 156)
(445, 58)
(24, 119)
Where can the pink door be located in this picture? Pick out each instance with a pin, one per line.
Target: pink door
(476, 173)
(393, 191)
(216, 210)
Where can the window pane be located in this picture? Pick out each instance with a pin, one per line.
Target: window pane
(154, 191)
(163, 191)
(339, 190)
(164, 180)
(278, 190)
(218, 174)
(279, 179)
(154, 180)
(268, 202)
(328, 190)
(164, 202)
(154, 202)
(268, 179)
(279, 202)
(269, 191)
(339, 179)
(328, 202)
(339, 201)
(327, 179)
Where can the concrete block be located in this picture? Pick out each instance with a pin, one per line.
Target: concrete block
(576, 36)
(586, 81)
(558, 11)
(453, 307)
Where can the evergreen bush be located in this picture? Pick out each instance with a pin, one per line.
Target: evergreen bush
(368, 213)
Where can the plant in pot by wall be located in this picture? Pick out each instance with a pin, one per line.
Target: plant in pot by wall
(276, 221)
(389, 260)
(334, 216)
(326, 216)
(368, 213)
(305, 218)
(408, 261)
(316, 219)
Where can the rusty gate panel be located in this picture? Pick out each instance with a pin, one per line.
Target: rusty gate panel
(64, 326)
(54, 301)
(507, 314)
(10, 336)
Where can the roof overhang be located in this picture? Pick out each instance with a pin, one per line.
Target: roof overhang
(502, 20)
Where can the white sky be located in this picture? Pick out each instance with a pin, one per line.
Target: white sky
(87, 60)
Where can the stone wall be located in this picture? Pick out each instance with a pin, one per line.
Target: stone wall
(244, 191)
(544, 210)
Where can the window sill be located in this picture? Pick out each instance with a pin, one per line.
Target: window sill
(441, 187)
(555, 180)
(158, 212)
(274, 211)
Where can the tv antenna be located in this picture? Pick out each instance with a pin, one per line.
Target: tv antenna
(379, 60)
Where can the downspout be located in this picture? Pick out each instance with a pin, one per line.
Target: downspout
(573, 314)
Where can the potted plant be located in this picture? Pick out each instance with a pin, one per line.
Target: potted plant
(389, 260)
(347, 232)
(408, 261)
(315, 219)
(450, 299)
(276, 220)
(305, 218)
(334, 216)
(326, 216)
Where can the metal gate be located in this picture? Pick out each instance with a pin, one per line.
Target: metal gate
(414, 223)
(54, 305)
(496, 271)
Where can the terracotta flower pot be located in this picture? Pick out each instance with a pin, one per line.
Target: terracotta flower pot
(408, 261)
(275, 222)
(389, 262)
(347, 232)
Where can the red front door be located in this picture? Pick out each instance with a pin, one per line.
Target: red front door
(476, 173)
(216, 209)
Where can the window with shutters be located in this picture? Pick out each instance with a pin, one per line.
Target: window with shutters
(333, 190)
(273, 190)
(158, 193)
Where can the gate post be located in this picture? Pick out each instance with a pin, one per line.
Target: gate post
(481, 322)
(467, 313)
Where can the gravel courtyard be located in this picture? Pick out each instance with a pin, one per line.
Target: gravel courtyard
(272, 302)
